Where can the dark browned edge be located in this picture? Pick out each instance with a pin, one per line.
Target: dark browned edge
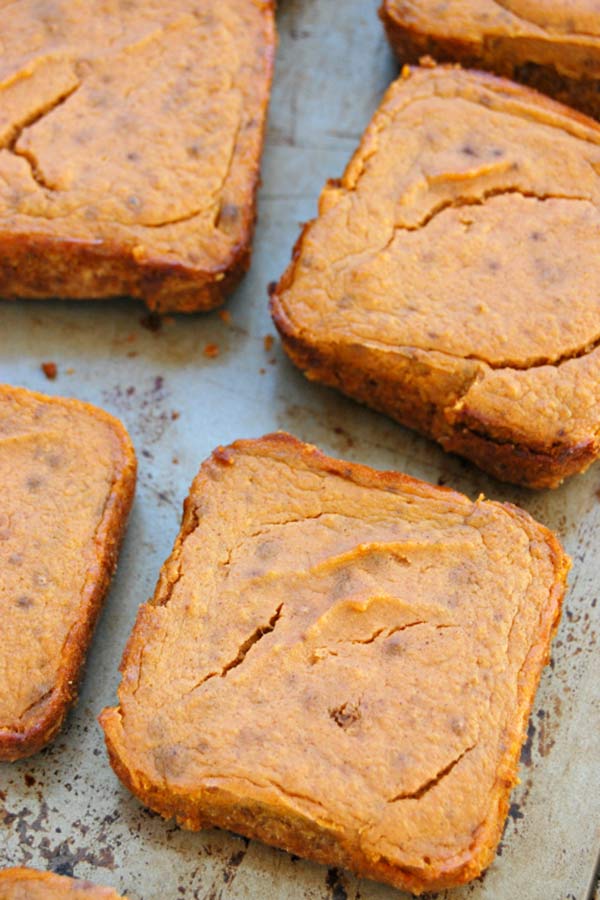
(19, 744)
(535, 466)
(150, 280)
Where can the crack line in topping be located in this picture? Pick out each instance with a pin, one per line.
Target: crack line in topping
(380, 631)
(257, 635)
(11, 144)
(35, 703)
(458, 203)
(432, 782)
(479, 200)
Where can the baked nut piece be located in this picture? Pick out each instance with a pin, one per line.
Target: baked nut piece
(552, 45)
(451, 278)
(130, 143)
(67, 472)
(29, 884)
(340, 662)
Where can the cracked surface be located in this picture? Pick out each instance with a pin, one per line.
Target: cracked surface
(29, 884)
(68, 472)
(340, 662)
(135, 128)
(553, 45)
(456, 258)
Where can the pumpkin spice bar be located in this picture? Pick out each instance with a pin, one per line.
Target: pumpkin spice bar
(29, 884)
(551, 45)
(340, 662)
(451, 278)
(68, 474)
(130, 144)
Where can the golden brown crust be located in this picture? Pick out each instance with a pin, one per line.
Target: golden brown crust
(538, 469)
(35, 267)
(18, 740)
(20, 883)
(283, 810)
(524, 407)
(481, 35)
(177, 236)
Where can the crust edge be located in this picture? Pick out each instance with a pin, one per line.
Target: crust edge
(533, 466)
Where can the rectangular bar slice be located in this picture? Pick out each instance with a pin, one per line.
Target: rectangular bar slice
(551, 45)
(67, 471)
(130, 144)
(340, 662)
(451, 278)
(29, 884)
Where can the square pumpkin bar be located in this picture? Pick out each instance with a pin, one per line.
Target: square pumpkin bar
(130, 145)
(29, 884)
(67, 471)
(451, 278)
(340, 662)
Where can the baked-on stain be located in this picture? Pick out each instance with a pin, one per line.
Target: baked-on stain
(499, 364)
(115, 185)
(50, 370)
(334, 881)
(30, 884)
(552, 46)
(153, 322)
(68, 474)
(149, 406)
(526, 751)
(373, 620)
(89, 842)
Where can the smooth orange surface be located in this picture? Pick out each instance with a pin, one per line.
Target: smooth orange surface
(340, 662)
(67, 472)
(28, 884)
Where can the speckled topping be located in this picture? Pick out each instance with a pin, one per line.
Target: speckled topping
(339, 662)
(451, 277)
(130, 134)
(67, 472)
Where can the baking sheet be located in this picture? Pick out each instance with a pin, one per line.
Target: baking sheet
(64, 809)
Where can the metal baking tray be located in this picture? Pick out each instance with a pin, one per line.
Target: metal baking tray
(64, 809)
